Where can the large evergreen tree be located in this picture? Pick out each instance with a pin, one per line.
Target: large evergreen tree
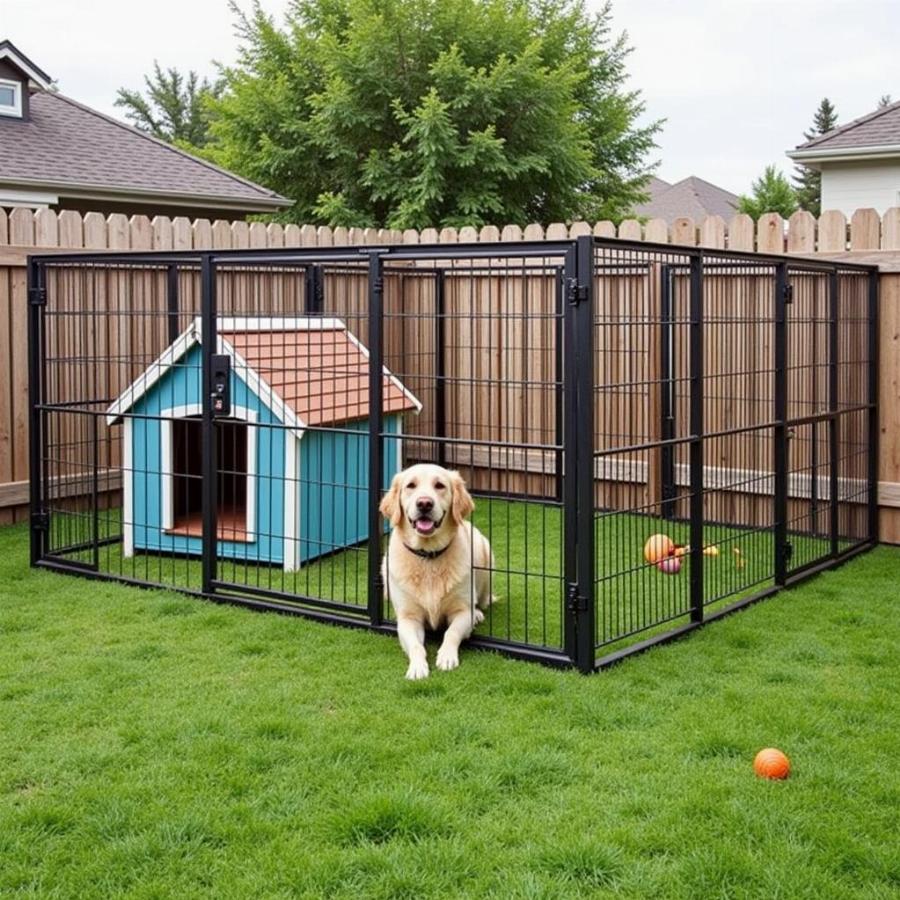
(173, 107)
(772, 192)
(808, 181)
(415, 113)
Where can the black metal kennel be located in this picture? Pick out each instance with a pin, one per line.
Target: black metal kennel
(225, 423)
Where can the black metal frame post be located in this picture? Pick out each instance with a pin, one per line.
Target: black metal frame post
(209, 494)
(559, 370)
(172, 302)
(696, 439)
(667, 406)
(314, 296)
(872, 398)
(833, 407)
(780, 456)
(37, 296)
(440, 366)
(376, 384)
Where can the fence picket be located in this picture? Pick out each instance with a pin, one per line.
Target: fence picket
(770, 233)
(865, 230)
(890, 229)
(832, 231)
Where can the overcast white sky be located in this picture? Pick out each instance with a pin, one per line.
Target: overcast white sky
(736, 80)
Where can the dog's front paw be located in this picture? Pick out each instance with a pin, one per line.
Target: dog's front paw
(418, 668)
(477, 616)
(447, 659)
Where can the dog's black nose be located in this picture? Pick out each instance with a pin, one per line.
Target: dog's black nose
(424, 504)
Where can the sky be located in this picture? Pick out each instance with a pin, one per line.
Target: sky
(737, 81)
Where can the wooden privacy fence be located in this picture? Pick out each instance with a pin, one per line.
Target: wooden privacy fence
(866, 237)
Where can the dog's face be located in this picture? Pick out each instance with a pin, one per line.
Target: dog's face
(427, 500)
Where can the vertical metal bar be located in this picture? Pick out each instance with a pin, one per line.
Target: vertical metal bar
(873, 338)
(569, 400)
(172, 302)
(814, 426)
(209, 493)
(584, 450)
(780, 459)
(440, 340)
(666, 386)
(559, 376)
(833, 405)
(35, 416)
(695, 460)
(314, 289)
(376, 383)
(95, 491)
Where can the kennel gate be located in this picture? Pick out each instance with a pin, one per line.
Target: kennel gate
(591, 391)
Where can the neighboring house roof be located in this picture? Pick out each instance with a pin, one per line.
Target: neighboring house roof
(877, 134)
(308, 371)
(691, 197)
(72, 149)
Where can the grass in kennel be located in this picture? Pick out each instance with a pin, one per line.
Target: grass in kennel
(634, 599)
(156, 746)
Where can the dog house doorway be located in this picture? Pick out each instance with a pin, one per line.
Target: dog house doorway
(183, 494)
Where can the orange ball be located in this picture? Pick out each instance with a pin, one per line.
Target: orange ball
(771, 763)
(658, 547)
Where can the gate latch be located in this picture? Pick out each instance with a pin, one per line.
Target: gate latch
(575, 292)
(788, 292)
(574, 601)
(221, 384)
(37, 296)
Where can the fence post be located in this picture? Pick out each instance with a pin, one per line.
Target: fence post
(833, 406)
(36, 297)
(696, 429)
(780, 457)
(376, 383)
(209, 494)
(440, 340)
(873, 405)
(578, 467)
(172, 304)
(667, 406)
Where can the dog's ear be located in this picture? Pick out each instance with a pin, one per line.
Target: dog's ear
(390, 502)
(462, 505)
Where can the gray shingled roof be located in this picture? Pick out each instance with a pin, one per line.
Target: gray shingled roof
(65, 145)
(880, 128)
(692, 197)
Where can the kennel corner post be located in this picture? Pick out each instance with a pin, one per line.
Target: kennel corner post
(834, 415)
(578, 441)
(376, 454)
(780, 455)
(37, 297)
(209, 491)
(695, 459)
(872, 398)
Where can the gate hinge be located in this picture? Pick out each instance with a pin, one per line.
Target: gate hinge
(788, 292)
(37, 296)
(788, 551)
(574, 600)
(40, 521)
(575, 292)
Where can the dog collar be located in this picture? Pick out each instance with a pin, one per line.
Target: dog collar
(427, 554)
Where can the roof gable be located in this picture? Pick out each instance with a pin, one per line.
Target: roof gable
(308, 372)
(692, 197)
(11, 54)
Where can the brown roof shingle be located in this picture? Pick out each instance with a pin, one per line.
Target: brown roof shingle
(321, 374)
(66, 145)
(879, 128)
(692, 197)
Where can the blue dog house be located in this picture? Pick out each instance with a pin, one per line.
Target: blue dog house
(292, 453)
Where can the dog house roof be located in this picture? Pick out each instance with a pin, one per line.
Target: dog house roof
(308, 371)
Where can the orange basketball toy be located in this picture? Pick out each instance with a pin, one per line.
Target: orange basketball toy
(772, 763)
(658, 547)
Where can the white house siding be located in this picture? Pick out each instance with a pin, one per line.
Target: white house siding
(849, 186)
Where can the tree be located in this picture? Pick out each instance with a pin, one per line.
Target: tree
(808, 181)
(174, 108)
(884, 100)
(415, 113)
(772, 192)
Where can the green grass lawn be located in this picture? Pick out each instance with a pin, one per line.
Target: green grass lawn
(152, 745)
(634, 600)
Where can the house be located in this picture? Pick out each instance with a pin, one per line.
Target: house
(691, 197)
(291, 439)
(58, 153)
(859, 162)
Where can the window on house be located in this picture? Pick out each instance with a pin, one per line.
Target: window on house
(10, 98)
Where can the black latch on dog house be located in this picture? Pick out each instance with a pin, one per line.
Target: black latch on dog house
(574, 600)
(221, 384)
(37, 296)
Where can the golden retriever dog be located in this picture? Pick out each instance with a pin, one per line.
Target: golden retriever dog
(437, 567)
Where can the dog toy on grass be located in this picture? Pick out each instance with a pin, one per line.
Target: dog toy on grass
(772, 763)
(671, 565)
(658, 547)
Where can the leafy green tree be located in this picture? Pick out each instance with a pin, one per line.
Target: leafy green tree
(415, 113)
(808, 181)
(173, 107)
(772, 192)
(884, 100)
